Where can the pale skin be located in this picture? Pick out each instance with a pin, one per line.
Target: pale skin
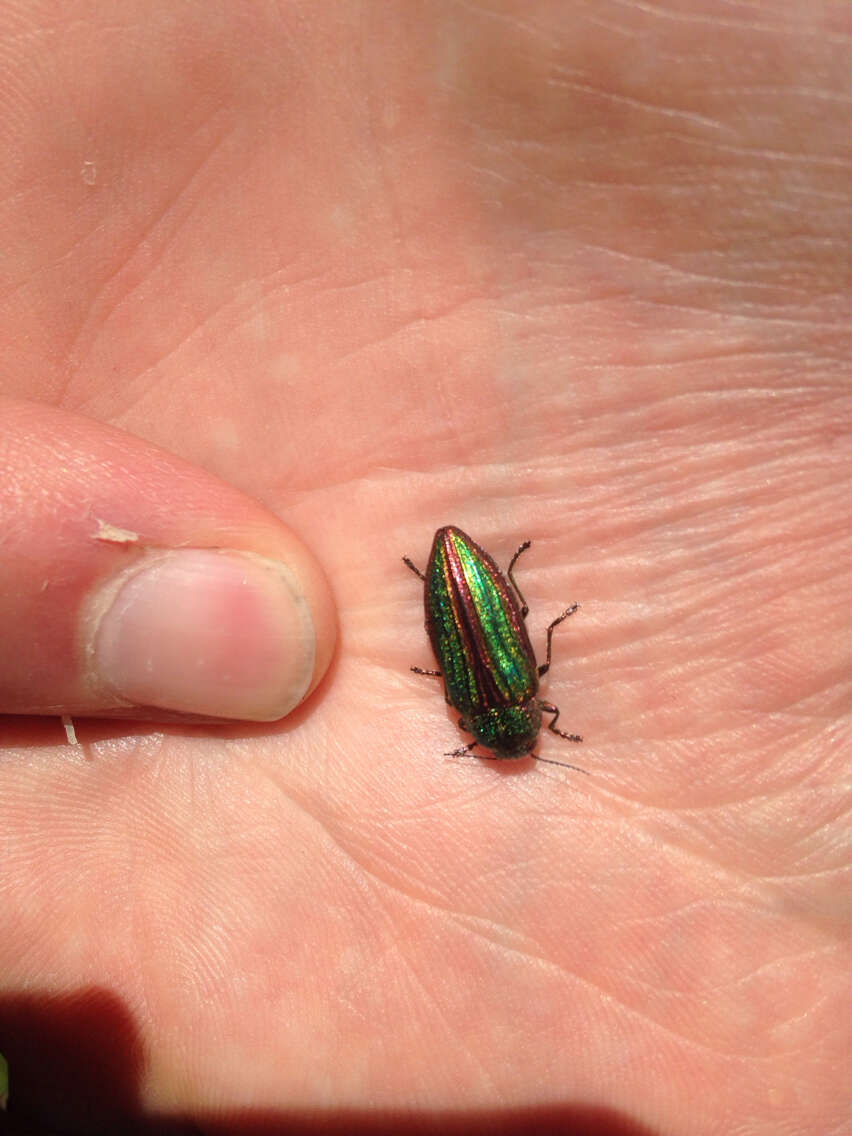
(571, 273)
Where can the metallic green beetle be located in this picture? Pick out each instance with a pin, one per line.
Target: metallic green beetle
(476, 627)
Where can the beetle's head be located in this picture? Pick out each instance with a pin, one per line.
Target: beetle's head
(508, 731)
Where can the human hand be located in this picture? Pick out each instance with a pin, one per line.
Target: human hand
(575, 275)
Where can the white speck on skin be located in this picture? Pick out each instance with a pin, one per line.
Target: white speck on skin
(391, 115)
(114, 535)
(286, 367)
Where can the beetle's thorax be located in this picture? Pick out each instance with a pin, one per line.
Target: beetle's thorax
(508, 731)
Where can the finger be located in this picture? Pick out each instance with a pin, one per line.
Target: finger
(131, 579)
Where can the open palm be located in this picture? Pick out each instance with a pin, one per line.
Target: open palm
(560, 277)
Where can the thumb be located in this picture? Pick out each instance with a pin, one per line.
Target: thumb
(131, 580)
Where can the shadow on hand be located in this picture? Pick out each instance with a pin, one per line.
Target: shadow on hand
(76, 1066)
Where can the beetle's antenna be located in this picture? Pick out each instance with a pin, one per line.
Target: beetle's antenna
(564, 764)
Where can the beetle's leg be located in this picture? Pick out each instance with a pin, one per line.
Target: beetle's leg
(549, 708)
(414, 568)
(423, 671)
(512, 562)
(545, 666)
(462, 751)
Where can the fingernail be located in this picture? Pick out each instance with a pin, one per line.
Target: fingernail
(225, 634)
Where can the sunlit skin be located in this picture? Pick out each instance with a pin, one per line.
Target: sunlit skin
(576, 273)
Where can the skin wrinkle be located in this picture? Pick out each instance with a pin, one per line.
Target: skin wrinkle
(681, 273)
(775, 92)
(481, 931)
(663, 14)
(556, 80)
(736, 984)
(782, 792)
(432, 998)
(336, 836)
(412, 325)
(765, 155)
(765, 313)
(126, 266)
(742, 319)
(771, 889)
(626, 1007)
(687, 855)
